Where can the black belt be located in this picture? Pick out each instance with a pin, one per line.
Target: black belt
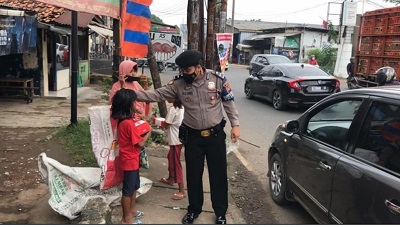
(207, 132)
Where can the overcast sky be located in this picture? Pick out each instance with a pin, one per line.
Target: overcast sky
(294, 11)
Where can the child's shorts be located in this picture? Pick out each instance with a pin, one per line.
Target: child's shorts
(131, 182)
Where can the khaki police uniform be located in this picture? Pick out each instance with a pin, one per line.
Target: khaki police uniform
(204, 101)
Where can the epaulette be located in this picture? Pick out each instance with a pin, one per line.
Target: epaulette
(218, 74)
(177, 77)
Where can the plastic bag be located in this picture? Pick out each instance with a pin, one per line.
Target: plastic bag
(233, 144)
(144, 159)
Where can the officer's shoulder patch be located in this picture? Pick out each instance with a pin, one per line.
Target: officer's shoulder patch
(178, 77)
(218, 74)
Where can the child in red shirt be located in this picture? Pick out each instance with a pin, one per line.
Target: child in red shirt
(130, 142)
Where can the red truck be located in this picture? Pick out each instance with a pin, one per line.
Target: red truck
(378, 44)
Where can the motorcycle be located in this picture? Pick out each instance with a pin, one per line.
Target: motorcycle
(383, 76)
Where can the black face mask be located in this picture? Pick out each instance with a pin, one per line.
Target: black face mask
(132, 78)
(189, 78)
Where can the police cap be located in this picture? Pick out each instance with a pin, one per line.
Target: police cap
(189, 58)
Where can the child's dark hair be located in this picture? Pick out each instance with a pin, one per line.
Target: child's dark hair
(122, 104)
(178, 103)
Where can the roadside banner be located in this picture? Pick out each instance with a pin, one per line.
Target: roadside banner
(135, 28)
(109, 8)
(224, 42)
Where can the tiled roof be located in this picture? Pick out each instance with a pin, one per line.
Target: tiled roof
(45, 12)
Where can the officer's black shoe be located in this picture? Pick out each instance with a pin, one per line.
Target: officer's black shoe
(221, 220)
(189, 218)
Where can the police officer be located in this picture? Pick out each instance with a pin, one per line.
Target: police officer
(204, 94)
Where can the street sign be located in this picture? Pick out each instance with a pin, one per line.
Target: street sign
(349, 12)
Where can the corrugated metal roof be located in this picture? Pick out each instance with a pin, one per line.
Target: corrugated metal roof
(83, 19)
(272, 35)
(242, 25)
(101, 31)
(45, 12)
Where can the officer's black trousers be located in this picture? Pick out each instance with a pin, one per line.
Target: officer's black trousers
(213, 149)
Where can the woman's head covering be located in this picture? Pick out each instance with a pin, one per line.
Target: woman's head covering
(126, 67)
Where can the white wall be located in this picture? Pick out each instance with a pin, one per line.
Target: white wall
(344, 54)
(63, 79)
(315, 39)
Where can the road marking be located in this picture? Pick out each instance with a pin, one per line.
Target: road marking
(242, 160)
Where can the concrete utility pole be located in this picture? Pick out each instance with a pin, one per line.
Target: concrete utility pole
(232, 30)
(155, 76)
(219, 27)
(210, 33)
(195, 22)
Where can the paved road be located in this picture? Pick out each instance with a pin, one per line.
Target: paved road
(258, 120)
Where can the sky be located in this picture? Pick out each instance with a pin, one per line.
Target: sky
(174, 12)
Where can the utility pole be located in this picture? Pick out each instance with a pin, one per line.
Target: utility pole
(74, 67)
(210, 33)
(155, 76)
(195, 19)
(232, 30)
(117, 46)
(219, 27)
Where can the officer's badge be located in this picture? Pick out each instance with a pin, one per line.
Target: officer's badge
(227, 86)
(188, 99)
(211, 85)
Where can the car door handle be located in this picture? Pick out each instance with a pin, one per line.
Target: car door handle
(325, 166)
(393, 207)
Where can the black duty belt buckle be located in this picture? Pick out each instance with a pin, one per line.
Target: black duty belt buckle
(205, 133)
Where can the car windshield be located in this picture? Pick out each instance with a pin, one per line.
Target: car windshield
(299, 71)
(278, 59)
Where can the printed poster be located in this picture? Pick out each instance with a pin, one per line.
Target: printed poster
(224, 43)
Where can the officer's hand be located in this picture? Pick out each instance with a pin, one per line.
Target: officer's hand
(235, 132)
(121, 80)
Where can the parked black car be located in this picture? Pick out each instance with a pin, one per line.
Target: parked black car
(258, 61)
(295, 84)
(341, 159)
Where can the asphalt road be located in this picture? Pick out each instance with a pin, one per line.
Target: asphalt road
(258, 121)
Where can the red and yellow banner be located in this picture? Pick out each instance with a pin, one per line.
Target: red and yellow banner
(224, 42)
(108, 8)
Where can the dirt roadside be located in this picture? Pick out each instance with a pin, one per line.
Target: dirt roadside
(22, 140)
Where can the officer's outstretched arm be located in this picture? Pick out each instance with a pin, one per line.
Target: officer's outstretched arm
(160, 94)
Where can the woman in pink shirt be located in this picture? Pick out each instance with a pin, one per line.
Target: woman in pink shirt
(129, 69)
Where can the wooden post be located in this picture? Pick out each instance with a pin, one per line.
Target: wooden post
(195, 21)
(210, 34)
(155, 76)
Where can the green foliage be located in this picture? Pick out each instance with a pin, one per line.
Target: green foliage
(332, 33)
(77, 141)
(326, 57)
(155, 27)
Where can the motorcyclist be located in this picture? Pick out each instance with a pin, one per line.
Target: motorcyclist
(350, 69)
(386, 76)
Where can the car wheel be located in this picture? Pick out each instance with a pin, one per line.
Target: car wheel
(277, 101)
(277, 181)
(247, 91)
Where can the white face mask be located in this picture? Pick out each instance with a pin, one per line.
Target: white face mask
(312, 58)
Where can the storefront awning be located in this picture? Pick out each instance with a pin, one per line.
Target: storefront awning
(8, 12)
(272, 35)
(241, 46)
(101, 31)
(57, 29)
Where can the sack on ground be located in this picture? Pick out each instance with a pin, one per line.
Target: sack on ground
(71, 187)
(104, 146)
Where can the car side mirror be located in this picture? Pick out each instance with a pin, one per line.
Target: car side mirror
(292, 126)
